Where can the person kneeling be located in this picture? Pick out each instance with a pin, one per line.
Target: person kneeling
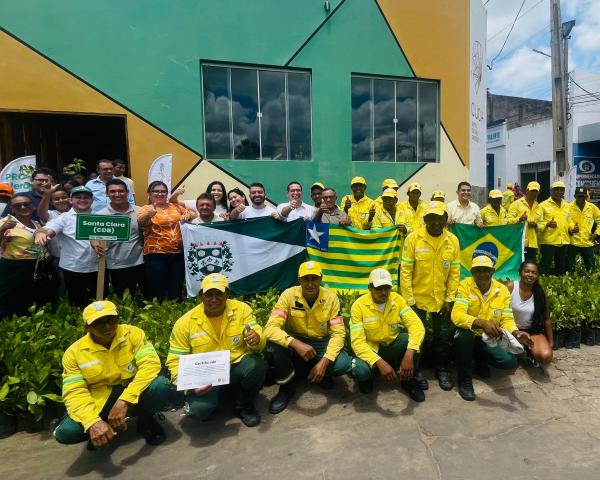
(107, 373)
(220, 323)
(482, 305)
(305, 332)
(376, 339)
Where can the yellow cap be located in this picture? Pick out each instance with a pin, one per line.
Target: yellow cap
(389, 192)
(509, 185)
(495, 194)
(96, 310)
(439, 194)
(358, 180)
(389, 183)
(414, 186)
(309, 268)
(435, 208)
(317, 184)
(533, 186)
(379, 277)
(214, 280)
(558, 184)
(482, 261)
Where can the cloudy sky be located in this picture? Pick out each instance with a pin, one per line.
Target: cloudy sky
(518, 70)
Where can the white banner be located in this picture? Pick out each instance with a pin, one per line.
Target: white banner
(477, 94)
(18, 173)
(161, 170)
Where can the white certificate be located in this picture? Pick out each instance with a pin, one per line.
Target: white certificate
(199, 369)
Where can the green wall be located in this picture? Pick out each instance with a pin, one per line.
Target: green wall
(146, 54)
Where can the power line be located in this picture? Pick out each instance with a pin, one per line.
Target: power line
(585, 90)
(508, 24)
(491, 65)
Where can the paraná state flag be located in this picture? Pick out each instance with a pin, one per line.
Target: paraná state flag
(255, 254)
(503, 244)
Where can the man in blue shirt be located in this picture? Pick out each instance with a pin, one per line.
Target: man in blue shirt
(98, 185)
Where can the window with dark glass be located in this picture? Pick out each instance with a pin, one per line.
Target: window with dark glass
(394, 120)
(256, 114)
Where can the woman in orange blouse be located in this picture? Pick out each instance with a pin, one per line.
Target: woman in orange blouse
(163, 245)
(18, 257)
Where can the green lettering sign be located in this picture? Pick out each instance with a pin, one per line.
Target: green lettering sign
(102, 227)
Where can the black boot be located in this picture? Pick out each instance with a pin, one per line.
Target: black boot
(421, 380)
(366, 386)
(414, 390)
(280, 401)
(326, 383)
(444, 378)
(150, 429)
(248, 414)
(465, 388)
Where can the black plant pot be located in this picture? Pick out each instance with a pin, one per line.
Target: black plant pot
(573, 338)
(8, 425)
(588, 336)
(597, 335)
(558, 337)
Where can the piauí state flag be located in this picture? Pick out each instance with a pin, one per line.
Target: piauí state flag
(347, 254)
(254, 254)
(503, 244)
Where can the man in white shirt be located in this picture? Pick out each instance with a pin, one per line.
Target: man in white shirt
(98, 186)
(205, 205)
(257, 208)
(124, 260)
(77, 259)
(119, 167)
(295, 208)
(462, 210)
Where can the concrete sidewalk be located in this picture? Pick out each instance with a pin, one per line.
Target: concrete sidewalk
(529, 425)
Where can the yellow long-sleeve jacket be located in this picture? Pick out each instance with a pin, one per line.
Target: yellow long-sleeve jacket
(359, 211)
(508, 197)
(491, 218)
(549, 210)
(470, 304)
(585, 219)
(90, 371)
(383, 218)
(194, 333)
(430, 269)
(369, 327)
(534, 214)
(292, 316)
(413, 218)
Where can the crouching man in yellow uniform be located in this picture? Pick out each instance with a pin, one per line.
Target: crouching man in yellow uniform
(109, 373)
(220, 323)
(375, 320)
(306, 335)
(482, 305)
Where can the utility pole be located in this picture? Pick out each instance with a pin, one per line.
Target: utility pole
(560, 85)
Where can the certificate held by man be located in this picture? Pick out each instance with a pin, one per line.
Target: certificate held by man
(201, 369)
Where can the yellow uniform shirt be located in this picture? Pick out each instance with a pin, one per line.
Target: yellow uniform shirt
(194, 333)
(90, 371)
(549, 210)
(370, 327)
(430, 269)
(508, 197)
(491, 218)
(414, 218)
(292, 316)
(383, 218)
(470, 304)
(359, 211)
(534, 214)
(585, 219)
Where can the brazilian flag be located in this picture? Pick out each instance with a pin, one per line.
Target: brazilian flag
(503, 244)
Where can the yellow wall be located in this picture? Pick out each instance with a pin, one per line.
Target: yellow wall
(434, 36)
(29, 82)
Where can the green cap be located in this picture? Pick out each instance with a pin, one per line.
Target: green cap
(82, 189)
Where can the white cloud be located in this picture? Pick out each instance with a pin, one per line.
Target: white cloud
(520, 74)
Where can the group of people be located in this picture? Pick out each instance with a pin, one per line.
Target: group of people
(113, 372)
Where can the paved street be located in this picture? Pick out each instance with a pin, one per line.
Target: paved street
(531, 425)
